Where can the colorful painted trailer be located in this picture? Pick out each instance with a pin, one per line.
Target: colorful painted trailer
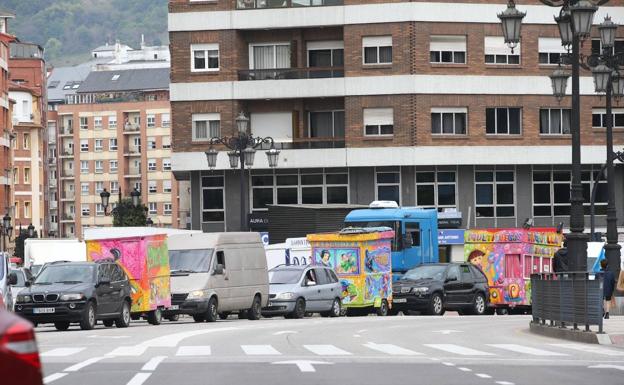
(508, 257)
(362, 259)
(144, 257)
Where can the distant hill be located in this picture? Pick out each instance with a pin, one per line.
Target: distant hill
(70, 29)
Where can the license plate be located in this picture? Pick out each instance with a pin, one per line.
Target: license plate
(174, 307)
(399, 300)
(44, 310)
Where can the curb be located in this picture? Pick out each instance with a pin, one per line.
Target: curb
(590, 337)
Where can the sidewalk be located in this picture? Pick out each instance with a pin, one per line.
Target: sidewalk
(614, 329)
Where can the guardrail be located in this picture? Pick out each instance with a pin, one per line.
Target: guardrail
(570, 298)
(291, 73)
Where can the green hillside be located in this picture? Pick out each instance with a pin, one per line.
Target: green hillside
(69, 29)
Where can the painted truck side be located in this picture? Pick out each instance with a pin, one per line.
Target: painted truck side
(416, 234)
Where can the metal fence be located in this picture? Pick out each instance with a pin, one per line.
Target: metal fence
(567, 299)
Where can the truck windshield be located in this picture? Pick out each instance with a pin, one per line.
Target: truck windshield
(65, 274)
(284, 277)
(190, 261)
(396, 226)
(426, 272)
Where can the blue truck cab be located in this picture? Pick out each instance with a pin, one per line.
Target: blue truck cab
(416, 232)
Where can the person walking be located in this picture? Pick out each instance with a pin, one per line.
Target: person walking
(608, 286)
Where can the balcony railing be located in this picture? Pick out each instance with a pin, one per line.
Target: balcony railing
(291, 73)
(307, 143)
(67, 131)
(255, 4)
(131, 127)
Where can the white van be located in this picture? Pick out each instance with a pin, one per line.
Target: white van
(6, 280)
(39, 251)
(216, 274)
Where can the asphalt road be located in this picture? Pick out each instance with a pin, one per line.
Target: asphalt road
(447, 350)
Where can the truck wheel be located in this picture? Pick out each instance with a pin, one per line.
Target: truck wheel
(299, 311)
(108, 323)
(199, 318)
(255, 312)
(382, 310)
(124, 318)
(211, 313)
(436, 305)
(224, 315)
(61, 325)
(88, 317)
(154, 317)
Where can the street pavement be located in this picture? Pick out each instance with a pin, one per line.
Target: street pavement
(449, 350)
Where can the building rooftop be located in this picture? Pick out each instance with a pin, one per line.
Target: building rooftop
(126, 80)
(65, 81)
(26, 50)
(6, 14)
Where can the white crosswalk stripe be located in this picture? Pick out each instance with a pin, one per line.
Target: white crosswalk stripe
(591, 349)
(392, 350)
(326, 350)
(260, 350)
(527, 350)
(186, 351)
(461, 350)
(62, 352)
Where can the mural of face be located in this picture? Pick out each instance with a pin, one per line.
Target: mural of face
(325, 257)
(476, 258)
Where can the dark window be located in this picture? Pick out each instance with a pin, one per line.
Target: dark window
(466, 274)
(323, 276)
(503, 121)
(412, 230)
(221, 258)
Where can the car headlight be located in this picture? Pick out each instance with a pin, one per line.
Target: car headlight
(420, 290)
(285, 296)
(72, 297)
(198, 294)
(23, 298)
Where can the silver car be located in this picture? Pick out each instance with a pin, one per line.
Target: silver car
(296, 290)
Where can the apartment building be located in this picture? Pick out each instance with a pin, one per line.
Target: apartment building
(417, 102)
(6, 121)
(116, 135)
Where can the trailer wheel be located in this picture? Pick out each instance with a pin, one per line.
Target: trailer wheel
(382, 310)
(154, 317)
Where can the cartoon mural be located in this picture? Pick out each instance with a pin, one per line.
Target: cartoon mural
(508, 257)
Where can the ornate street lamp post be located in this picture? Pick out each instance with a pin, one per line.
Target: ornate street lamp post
(6, 230)
(242, 154)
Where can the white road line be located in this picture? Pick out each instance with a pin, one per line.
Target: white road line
(53, 377)
(285, 332)
(526, 350)
(193, 351)
(139, 378)
(392, 350)
(483, 375)
(153, 363)
(260, 350)
(61, 352)
(504, 383)
(465, 369)
(326, 350)
(456, 349)
(83, 364)
(128, 351)
(448, 364)
(590, 349)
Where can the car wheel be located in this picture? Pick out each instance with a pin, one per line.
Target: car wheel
(255, 312)
(174, 318)
(336, 309)
(382, 310)
(88, 317)
(224, 315)
(124, 318)
(108, 323)
(299, 311)
(478, 305)
(199, 318)
(436, 305)
(154, 317)
(61, 325)
(211, 313)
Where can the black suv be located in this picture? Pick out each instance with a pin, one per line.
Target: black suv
(82, 292)
(435, 288)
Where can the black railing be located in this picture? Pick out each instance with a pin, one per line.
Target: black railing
(567, 299)
(255, 4)
(292, 73)
(307, 143)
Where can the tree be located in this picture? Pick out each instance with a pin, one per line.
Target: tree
(126, 215)
(53, 47)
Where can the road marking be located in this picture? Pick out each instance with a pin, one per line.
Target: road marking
(53, 377)
(83, 364)
(62, 352)
(456, 349)
(304, 366)
(448, 364)
(465, 369)
(260, 350)
(172, 340)
(107, 337)
(128, 351)
(153, 363)
(139, 378)
(193, 351)
(447, 332)
(604, 366)
(590, 349)
(326, 350)
(483, 375)
(526, 350)
(393, 350)
(362, 331)
(504, 383)
(285, 332)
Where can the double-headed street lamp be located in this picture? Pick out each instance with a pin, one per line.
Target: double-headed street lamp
(6, 229)
(242, 152)
(574, 21)
(105, 197)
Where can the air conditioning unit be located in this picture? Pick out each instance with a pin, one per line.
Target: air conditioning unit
(383, 205)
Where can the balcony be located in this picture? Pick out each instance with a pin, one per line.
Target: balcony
(291, 73)
(68, 196)
(67, 153)
(66, 131)
(67, 217)
(131, 128)
(52, 161)
(261, 4)
(132, 151)
(67, 174)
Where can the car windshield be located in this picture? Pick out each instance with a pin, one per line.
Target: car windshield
(64, 274)
(20, 278)
(283, 277)
(190, 261)
(34, 269)
(426, 272)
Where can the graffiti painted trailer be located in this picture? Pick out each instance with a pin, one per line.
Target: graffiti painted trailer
(508, 257)
(362, 259)
(144, 257)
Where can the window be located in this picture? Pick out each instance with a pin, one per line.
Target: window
(99, 145)
(555, 121)
(27, 211)
(550, 50)
(448, 121)
(16, 175)
(503, 121)
(167, 208)
(17, 209)
(262, 191)
(166, 164)
(99, 210)
(206, 126)
(84, 145)
(269, 56)
(337, 188)
(326, 124)
(447, 49)
(378, 121)
(599, 118)
(84, 188)
(205, 57)
(115, 77)
(84, 167)
(84, 123)
(494, 194)
(112, 166)
(151, 143)
(151, 121)
(165, 120)
(166, 186)
(97, 122)
(99, 187)
(151, 186)
(99, 166)
(513, 266)
(112, 144)
(114, 187)
(377, 49)
(85, 210)
(436, 189)
(596, 47)
(137, 185)
(388, 185)
(26, 143)
(153, 208)
(325, 54)
(151, 165)
(213, 200)
(497, 52)
(112, 122)
(166, 142)
(26, 175)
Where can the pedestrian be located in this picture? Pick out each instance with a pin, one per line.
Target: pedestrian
(560, 260)
(608, 285)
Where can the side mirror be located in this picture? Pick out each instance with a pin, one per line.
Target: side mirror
(12, 279)
(218, 269)
(310, 283)
(450, 279)
(28, 283)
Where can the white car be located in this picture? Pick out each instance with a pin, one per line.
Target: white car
(6, 280)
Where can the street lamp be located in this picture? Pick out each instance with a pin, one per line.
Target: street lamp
(6, 229)
(559, 80)
(105, 196)
(136, 197)
(31, 230)
(511, 21)
(582, 17)
(241, 154)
